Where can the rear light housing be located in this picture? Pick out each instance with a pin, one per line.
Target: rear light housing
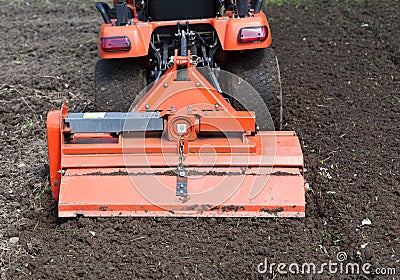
(253, 34)
(115, 44)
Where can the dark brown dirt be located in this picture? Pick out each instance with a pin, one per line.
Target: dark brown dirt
(340, 65)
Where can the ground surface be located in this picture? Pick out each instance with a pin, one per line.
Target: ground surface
(340, 68)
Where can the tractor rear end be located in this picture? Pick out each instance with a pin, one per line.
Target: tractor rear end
(174, 133)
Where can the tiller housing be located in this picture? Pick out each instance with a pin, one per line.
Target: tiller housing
(172, 158)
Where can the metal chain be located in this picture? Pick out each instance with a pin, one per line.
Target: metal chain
(181, 158)
(181, 182)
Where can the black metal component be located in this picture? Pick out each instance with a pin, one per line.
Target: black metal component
(257, 6)
(163, 65)
(229, 6)
(183, 45)
(187, 28)
(206, 61)
(160, 10)
(122, 12)
(157, 55)
(242, 7)
(104, 10)
(179, 29)
(212, 53)
(113, 122)
(183, 37)
(141, 7)
(113, 13)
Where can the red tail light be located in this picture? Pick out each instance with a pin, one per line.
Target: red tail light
(252, 34)
(115, 44)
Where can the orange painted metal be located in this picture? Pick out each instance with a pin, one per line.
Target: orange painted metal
(150, 146)
(205, 111)
(277, 148)
(227, 28)
(102, 192)
(96, 174)
(170, 94)
(54, 127)
(135, 176)
(54, 150)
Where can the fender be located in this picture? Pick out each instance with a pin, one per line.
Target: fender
(139, 34)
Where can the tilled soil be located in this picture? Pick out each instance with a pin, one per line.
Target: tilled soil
(340, 68)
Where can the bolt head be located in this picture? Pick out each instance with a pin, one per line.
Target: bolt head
(147, 106)
(217, 106)
(165, 85)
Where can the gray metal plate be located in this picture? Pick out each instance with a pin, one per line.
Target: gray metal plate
(114, 122)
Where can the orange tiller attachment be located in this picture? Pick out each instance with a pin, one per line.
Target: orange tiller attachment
(183, 151)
